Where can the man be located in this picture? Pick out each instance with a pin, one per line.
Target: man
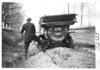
(30, 31)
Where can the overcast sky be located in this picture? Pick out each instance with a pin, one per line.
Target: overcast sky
(37, 8)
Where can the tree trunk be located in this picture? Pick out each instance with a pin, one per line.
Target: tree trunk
(82, 6)
(68, 7)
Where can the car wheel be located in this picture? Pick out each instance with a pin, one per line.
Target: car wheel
(43, 40)
(70, 42)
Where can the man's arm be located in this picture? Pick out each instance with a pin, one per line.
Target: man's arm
(23, 28)
(33, 28)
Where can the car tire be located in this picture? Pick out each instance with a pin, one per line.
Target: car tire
(43, 40)
(70, 42)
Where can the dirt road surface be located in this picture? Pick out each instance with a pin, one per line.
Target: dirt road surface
(59, 57)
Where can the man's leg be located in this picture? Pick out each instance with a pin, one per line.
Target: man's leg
(26, 49)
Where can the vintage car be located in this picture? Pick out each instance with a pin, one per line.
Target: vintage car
(56, 30)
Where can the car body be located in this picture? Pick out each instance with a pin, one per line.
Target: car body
(56, 30)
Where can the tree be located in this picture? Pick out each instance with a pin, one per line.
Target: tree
(90, 11)
(11, 13)
(82, 9)
(68, 7)
(74, 8)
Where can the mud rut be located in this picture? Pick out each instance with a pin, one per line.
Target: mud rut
(59, 57)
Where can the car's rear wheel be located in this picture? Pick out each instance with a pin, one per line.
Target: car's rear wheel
(70, 42)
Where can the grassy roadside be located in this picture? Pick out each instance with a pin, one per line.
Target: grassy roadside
(85, 36)
(84, 40)
(11, 55)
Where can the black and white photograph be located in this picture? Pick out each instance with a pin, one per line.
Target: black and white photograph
(50, 34)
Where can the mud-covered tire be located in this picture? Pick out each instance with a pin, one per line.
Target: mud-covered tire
(70, 42)
(43, 40)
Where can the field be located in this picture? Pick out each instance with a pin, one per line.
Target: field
(84, 38)
(82, 56)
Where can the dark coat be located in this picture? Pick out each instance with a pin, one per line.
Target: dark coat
(30, 31)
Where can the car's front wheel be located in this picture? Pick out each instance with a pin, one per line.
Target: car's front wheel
(43, 40)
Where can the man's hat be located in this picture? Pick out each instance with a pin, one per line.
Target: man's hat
(29, 19)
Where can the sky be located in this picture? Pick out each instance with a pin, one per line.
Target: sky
(37, 8)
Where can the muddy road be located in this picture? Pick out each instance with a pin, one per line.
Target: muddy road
(59, 57)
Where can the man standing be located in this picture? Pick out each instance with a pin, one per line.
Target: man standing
(30, 31)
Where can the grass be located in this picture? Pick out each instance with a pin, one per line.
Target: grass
(84, 40)
(11, 55)
(85, 36)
